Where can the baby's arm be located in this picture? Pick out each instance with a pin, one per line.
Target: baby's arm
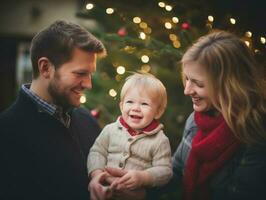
(161, 170)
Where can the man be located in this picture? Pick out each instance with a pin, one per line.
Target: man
(45, 137)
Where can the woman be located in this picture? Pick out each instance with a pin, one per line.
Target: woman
(223, 151)
(222, 154)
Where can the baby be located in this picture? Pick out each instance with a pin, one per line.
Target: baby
(136, 141)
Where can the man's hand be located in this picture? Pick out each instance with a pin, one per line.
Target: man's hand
(98, 191)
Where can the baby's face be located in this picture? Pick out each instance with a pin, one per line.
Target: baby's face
(138, 109)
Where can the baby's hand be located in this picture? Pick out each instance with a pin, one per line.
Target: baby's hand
(131, 180)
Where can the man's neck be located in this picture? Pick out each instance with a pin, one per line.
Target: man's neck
(40, 89)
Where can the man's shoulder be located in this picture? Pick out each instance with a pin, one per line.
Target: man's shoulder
(82, 114)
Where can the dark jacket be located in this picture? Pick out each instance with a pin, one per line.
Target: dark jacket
(243, 177)
(41, 158)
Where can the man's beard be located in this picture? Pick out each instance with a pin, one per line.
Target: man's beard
(59, 98)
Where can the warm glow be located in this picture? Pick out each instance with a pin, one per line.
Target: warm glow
(175, 20)
(145, 59)
(109, 11)
(176, 44)
(89, 6)
(210, 18)
(248, 34)
(120, 70)
(147, 30)
(168, 25)
(143, 25)
(262, 40)
(145, 68)
(232, 21)
(173, 37)
(168, 7)
(161, 4)
(112, 93)
(82, 99)
(257, 51)
(142, 35)
(136, 20)
(247, 43)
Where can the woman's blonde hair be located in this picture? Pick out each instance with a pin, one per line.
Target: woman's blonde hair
(237, 86)
(149, 84)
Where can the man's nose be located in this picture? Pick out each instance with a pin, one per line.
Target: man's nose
(86, 83)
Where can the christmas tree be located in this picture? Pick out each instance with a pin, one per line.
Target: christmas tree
(150, 36)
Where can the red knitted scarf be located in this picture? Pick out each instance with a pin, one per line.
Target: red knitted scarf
(212, 146)
(153, 125)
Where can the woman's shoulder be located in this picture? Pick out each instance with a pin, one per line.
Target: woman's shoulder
(190, 126)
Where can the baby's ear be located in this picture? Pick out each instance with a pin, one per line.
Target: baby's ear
(121, 106)
(158, 114)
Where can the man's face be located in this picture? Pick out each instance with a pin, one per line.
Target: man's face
(71, 79)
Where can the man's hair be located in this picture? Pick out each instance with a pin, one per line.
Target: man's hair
(149, 84)
(57, 42)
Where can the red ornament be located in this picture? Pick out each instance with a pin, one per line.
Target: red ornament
(95, 113)
(122, 32)
(185, 25)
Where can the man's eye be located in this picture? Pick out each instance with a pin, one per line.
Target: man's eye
(80, 73)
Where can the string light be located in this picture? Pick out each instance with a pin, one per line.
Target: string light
(176, 44)
(109, 11)
(262, 40)
(161, 4)
(210, 18)
(173, 37)
(142, 35)
(145, 68)
(175, 20)
(232, 20)
(89, 6)
(247, 43)
(143, 25)
(147, 30)
(145, 59)
(248, 34)
(82, 99)
(112, 92)
(168, 8)
(120, 70)
(136, 20)
(168, 25)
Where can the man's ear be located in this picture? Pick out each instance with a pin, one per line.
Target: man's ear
(45, 67)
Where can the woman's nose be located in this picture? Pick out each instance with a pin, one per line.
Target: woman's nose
(188, 89)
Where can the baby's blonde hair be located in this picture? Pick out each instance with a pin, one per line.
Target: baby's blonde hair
(146, 83)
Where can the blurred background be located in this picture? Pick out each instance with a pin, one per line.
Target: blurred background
(140, 35)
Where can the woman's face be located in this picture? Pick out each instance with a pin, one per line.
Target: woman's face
(196, 86)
